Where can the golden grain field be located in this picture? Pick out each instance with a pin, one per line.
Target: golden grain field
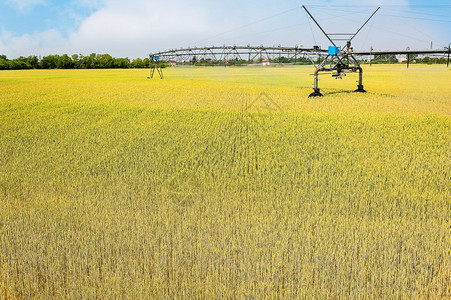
(225, 183)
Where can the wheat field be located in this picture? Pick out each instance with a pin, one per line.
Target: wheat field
(225, 183)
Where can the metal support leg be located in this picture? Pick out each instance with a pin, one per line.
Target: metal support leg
(152, 71)
(316, 92)
(360, 85)
(449, 51)
(159, 70)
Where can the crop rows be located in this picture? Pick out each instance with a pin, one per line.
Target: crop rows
(249, 199)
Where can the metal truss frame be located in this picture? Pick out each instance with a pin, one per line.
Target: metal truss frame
(231, 54)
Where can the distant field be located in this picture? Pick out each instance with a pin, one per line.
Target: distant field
(225, 183)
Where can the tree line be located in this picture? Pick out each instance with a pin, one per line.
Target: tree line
(76, 61)
(414, 58)
(106, 61)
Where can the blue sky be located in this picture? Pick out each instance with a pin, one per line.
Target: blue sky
(134, 28)
(20, 17)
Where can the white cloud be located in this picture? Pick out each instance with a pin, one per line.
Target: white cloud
(137, 27)
(41, 43)
(120, 28)
(93, 4)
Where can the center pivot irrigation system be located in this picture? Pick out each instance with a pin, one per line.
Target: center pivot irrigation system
(337, 61)
(340, 60)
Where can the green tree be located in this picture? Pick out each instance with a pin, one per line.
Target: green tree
(18, 64)
(137, 63)
(33, 61)
(280, 60)
(49, 62)
(122, 63)
(104, 61)
(75, 60)
(4, 65)
(426, 60)
(146, 62)
(65, 62)
(88, 62)
(385, 58)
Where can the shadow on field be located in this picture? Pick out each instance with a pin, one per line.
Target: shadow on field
(337, 92)
(347, 92)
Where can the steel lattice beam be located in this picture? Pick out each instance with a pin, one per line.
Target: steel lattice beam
(222, 53)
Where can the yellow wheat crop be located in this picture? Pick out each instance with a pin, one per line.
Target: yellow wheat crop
(225, 183)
